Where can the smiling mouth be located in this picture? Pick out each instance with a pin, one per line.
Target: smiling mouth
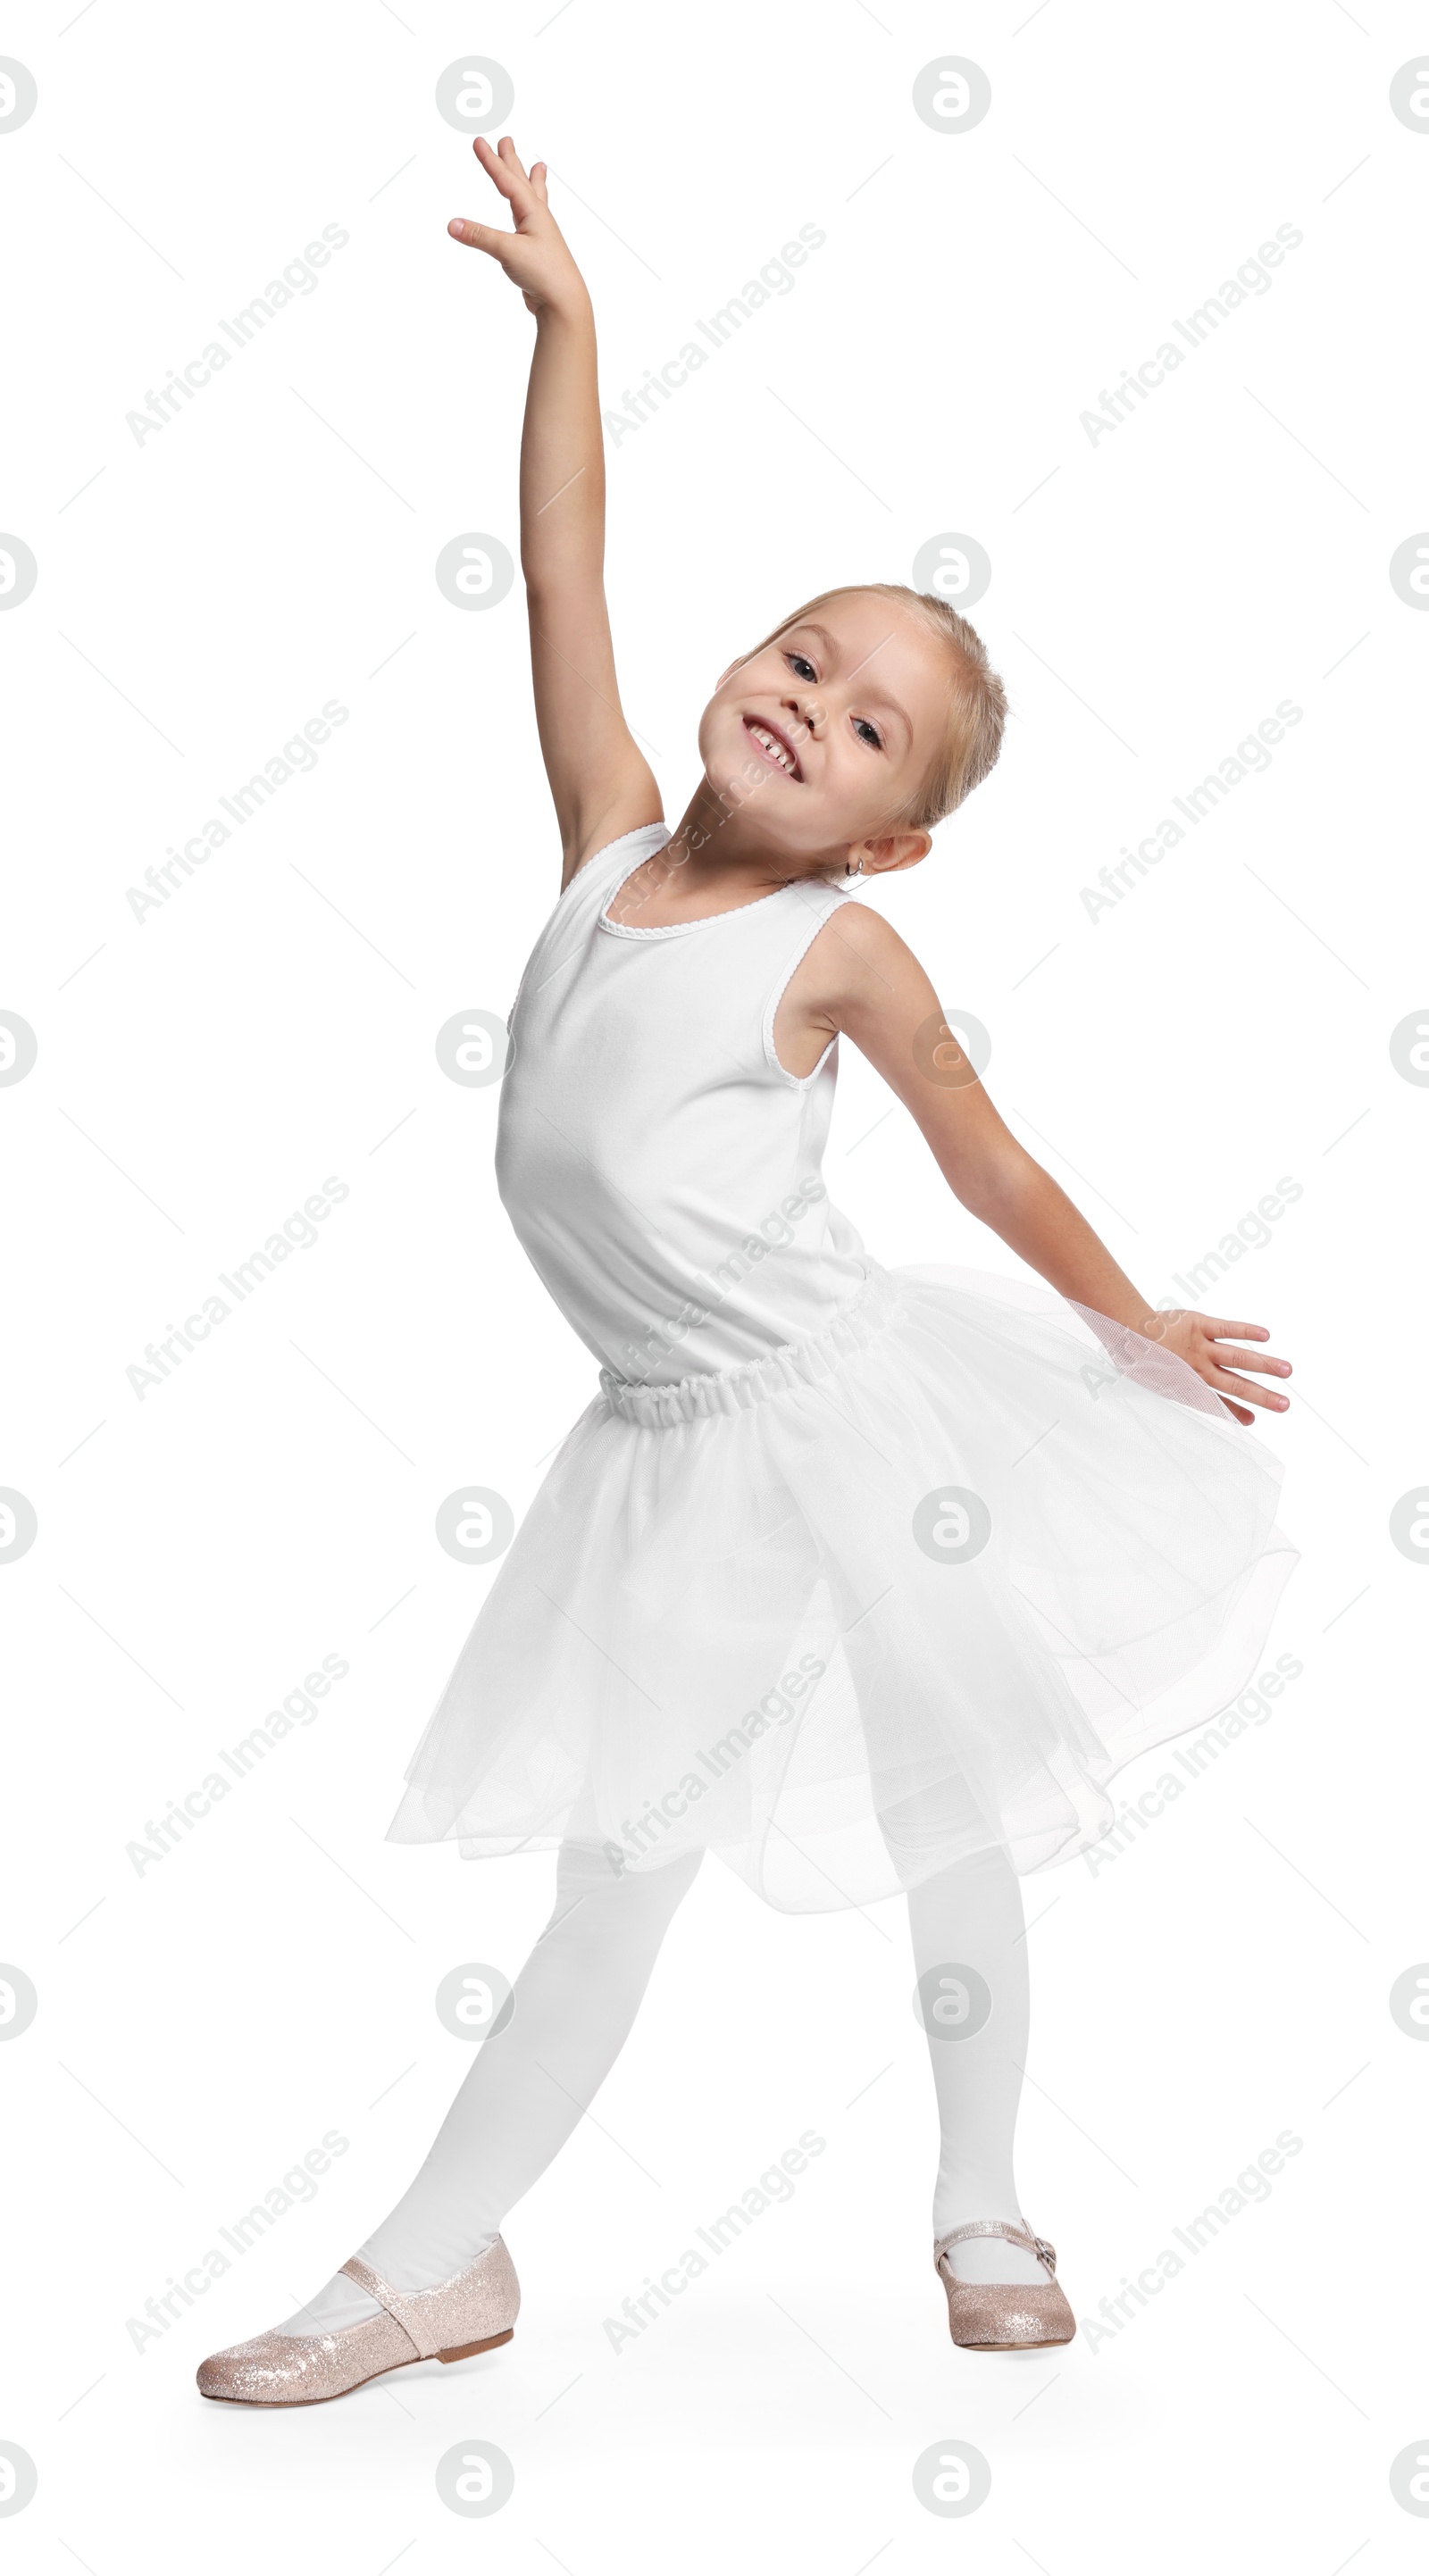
(773, 746)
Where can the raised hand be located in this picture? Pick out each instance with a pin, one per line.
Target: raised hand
(1204, 1342)
(535, 256)
(601, 783)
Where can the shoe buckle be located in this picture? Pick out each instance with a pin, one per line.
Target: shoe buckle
(1047, 2252)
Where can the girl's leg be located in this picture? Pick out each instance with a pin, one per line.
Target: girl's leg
(575, 2000)
(970, 1917)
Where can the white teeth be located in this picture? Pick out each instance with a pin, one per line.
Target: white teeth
(772, 743)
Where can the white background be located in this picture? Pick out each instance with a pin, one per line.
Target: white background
(202, 1070)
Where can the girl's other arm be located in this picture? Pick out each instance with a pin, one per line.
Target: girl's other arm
(868, 984)
(601, 784)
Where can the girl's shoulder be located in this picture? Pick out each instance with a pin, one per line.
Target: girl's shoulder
(852, 943)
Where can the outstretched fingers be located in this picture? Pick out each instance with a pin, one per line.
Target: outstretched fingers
(1228, 1381)
(1212, 1347)
(1265, 1362)
(503, 168)
(524, 192)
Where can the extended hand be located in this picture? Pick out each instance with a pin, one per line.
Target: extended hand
(534, 256)
(1200, 1341)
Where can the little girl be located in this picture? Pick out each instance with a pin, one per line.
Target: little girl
(869, 1581)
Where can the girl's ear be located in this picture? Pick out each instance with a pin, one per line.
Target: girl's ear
(891, 852)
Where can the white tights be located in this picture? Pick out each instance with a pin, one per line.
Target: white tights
(575, 2001)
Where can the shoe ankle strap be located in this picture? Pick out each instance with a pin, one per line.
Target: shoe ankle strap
(396, 2302)
(1003, 2227)
(425, 2315)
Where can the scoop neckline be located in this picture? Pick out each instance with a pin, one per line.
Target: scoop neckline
(673, 929)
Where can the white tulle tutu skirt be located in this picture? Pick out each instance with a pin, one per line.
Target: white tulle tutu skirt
(913, 1588)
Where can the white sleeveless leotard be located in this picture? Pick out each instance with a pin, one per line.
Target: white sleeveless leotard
(662, 1169)
(844, 1573)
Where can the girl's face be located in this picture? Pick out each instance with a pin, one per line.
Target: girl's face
(829, 732)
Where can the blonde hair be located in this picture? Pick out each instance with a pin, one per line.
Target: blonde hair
(977, 698)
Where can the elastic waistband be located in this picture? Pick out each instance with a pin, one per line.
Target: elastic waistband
(710, 1391)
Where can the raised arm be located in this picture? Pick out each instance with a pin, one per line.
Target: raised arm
(601, 783)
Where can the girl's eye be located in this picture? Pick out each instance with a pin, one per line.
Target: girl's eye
(867, 732)
(801, 666)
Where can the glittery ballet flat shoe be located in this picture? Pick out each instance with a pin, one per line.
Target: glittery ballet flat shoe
(472, 2312)
(1004, 2316)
